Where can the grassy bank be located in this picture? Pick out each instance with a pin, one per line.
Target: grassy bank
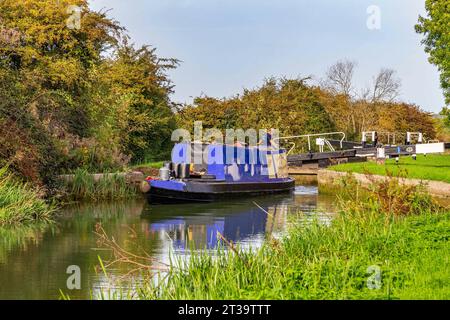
(21, 203)
(322, 262)
(404, 238)
(430, 167)
(84, 187)
(153, 165)
(148, 168)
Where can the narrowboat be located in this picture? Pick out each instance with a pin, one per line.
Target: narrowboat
(201, 172)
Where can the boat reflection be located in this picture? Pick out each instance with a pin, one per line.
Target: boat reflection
(34, 260)
(197, 226)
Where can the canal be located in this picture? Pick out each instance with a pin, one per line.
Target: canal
(34, 259)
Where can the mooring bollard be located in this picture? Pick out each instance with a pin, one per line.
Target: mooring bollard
(381, 156)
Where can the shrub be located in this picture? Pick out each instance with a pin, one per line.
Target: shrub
(388, 196)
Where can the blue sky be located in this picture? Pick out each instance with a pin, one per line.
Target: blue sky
(228, 45)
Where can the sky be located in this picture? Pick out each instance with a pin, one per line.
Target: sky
(227, 45)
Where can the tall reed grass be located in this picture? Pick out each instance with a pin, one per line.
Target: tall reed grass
(84, 187)
(369, 251)
(20, 202)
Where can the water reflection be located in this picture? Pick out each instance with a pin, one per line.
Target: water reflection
(236, 221)
(33, 260)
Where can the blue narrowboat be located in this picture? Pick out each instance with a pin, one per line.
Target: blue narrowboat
(209, 172)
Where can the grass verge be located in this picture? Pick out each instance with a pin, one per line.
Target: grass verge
(154, 165)
(149, 168)
(430, 167)
(385, 243)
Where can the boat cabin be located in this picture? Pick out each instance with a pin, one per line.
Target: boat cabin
(209, 172)
(230, 162)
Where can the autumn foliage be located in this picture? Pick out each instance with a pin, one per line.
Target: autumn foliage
(296, 107)
(88, 98)
(77, 97)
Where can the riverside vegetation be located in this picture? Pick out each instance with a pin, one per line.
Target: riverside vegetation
(21, 203)
(77, 100)
(89, 99)
(400, 232)
(109, 187)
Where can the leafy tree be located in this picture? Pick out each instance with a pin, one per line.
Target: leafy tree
(290, 105)
(436, 29)
(77, 97)
(341, 110)
(139, 77)
(445, 112)
(442, 125)
(25, 144)
(403, 117)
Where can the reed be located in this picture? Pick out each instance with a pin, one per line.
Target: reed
(319, 262)
(21, 203)
(314, 260)
(109, 187)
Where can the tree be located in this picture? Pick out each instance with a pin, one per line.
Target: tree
(442, 124)
(77, 97)
(291, 105)
(436, 31)
(339, 77)
(385, 86)
(352, 113)
(341, 110)
(403, 117)
(139, 77)
(445, 113)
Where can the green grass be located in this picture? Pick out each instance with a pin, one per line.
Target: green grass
(430, 167)
(83, 187)
(21, 203)
(154, 165)
(320, 262)
(148, 168)
(407, 243)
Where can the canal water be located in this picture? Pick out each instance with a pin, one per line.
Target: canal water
(34, 260)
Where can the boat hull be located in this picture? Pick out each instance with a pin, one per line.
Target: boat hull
(216, 191)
